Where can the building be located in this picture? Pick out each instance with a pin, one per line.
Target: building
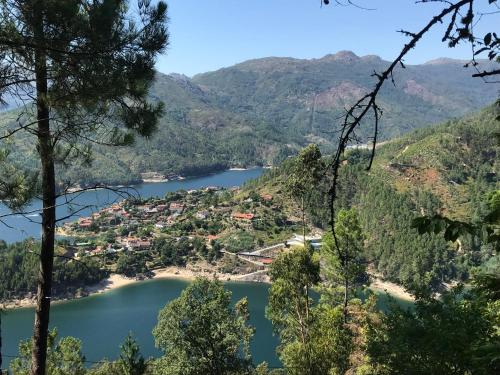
(266, 261)
(202, 215)
(85, 223)
(242, 216)
(134, 243)
(176, 207)
(161, 207)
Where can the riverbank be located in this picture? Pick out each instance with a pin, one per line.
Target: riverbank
(115, 281)
(395, 290)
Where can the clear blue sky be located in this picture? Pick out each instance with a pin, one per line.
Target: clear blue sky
(210, 34)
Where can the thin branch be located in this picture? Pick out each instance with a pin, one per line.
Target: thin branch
(485, 73)
(358, 112)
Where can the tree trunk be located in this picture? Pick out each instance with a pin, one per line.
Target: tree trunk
(346, 287)
(303, 221)
(0, 342)
(45, 149)
(345, 262)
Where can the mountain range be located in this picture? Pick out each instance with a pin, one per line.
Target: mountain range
(260, 111)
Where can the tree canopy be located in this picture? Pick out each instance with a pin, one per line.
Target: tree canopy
(202, 333)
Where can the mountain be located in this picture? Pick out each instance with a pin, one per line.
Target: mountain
(447, 169)
(261, 111)
(305, 96)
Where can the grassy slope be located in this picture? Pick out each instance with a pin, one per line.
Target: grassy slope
(447, 160)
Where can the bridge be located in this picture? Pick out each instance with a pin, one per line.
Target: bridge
(256, 257)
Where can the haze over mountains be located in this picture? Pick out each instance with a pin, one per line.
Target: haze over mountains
(260, 111)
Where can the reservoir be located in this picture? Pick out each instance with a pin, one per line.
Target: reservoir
(19, 227)
(102, 321)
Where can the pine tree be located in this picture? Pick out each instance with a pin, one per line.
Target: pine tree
(82, 68)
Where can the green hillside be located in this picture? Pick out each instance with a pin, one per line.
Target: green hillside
(261, 111)
(446, 169)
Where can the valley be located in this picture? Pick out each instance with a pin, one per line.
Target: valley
(261, 111)
(199, 227)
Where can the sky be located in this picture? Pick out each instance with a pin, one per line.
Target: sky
(207, 35)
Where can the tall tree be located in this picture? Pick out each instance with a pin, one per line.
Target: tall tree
(306, 171)
(457, 334)
(1, 341)
(344, 262)
(313, 338)
(131, 361)
(293, 274)
(87, 66)
(201, 333)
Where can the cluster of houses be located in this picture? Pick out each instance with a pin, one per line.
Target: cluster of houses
(159, 214)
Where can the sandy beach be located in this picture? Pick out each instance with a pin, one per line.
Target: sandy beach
(393, 289)
(115, 281)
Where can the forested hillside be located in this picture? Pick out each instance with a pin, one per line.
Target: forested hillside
(447, 169)
(261, 111)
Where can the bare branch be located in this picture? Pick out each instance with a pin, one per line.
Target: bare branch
(485, 73)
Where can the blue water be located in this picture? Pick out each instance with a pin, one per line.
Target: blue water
(18, 227)
(103, 321)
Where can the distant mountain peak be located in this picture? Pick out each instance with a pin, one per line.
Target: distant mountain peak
(371, 58)
(346, 56)
(179, 77)
(444, 60)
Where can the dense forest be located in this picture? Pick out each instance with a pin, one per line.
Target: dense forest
(446, 169)
(18, 271)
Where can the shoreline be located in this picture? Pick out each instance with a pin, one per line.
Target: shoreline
(390, 288)
(76, 189)
(117, 281)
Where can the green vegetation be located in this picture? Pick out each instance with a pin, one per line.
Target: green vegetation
(262, 111)
(306, 171)
(343, 256)
(457, 333)
(203, 332)
(18, 266)
(323, 327)
(313, 338)
(411, 177)
(64, 356)
(200, 333)
(136, 237)
(387, 202)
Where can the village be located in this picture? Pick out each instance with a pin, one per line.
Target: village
(232, 231)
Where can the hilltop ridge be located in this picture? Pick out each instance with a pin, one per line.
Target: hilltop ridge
(261, 111)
